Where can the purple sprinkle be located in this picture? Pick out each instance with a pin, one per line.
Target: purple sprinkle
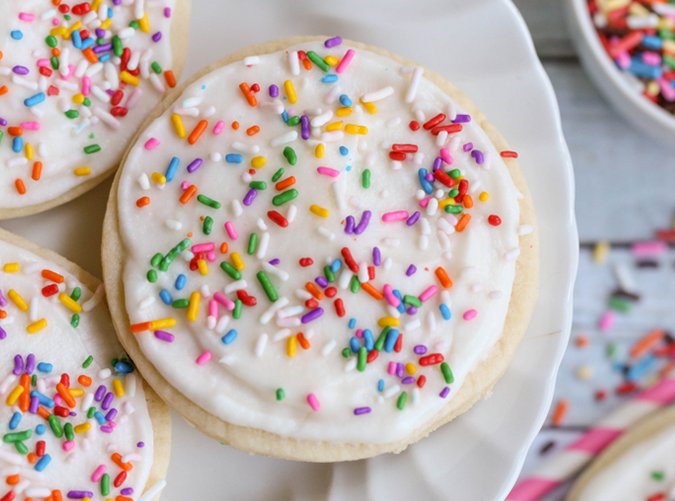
(361, 410)
(110, 416)
(412, 310)
(110, 92)
(377, 257)
(30, 364)
(3, 334)
(304, 126)
(157, 36)
(167, 12)
(349, 225)
(413, 219)
(18, 365)
(420, 349)
(411, 270)
(194, 165)
(3, 122)
(332, 42)
(107, 401)
(321, 281)
(127, 492)
(140, 444)
(312, 315)
(164, 336)
(461, 119)
(468, 147)
(408, 380)
(34, 405)
(400, 370)
(430, 177)
(100, 32)
(100, 393)
(102, 48)
(73, 414)
(445, 392)
(275, 262)
(117, 2)
(274, 91)
(438, 163)
(478, 155)
(365, 219)
(20, 70)
(80, 494)
(250, 196)
(107, 429)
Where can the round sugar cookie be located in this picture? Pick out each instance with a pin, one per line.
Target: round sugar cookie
(638, 466)
(76, 81)
(74, 425)
(295, 270)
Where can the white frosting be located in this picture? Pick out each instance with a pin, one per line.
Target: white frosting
(59, 143)
(66, 348)
(630, 476)
(239, 382)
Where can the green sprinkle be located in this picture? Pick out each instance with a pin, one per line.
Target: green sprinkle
(77, 292)
(412, 300)
(55, 425)
(330, 276)
(669, 60)
(68, 430)
(365, 178)
(55, 62)
(355, 286)
(252, 244)
(72, 114)
(114, 361)
(281, 394)
(33, 380)
(236, 313)
(316, 59)
(611, 349)
(173, 254)
(379, 344)
(658, 475)
(21, 447)
(267, 286)
(17, 437)
(290, 155)
(447, 373)
(87, 103)
(346, 352)
(454, 173)
(284, 197)
(1, 134)
(75, 320)
(230, 270)
(667, 34)
(453, 193)
(180, 303)
(67, 17)
(87, 362)
(105, 484)
(208, 201)
(152, 276)
(363, 356)
(208, 225)
(293, 121)
(134, 24)
(453, 209)
(51, 41)
(91, 412)
(620, 304)
(117, 46)
(400, 403)
(156, 67)
(156, 259)
(100, 41)
(258, 185)
(277, 175)
(92, 148)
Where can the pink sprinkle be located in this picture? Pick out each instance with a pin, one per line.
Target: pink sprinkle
(224, 300)
(55, 22)
(112, 424)
(68, 445)
(327, 171)
(667, 90)
(218, 128)
(43, 63)
(607, 321)
(469, 315)
(86, 85)
(229, 227)
(445, 156)
(184, 185)
(213, 308)
(133, 98)
(359, 333)
(203, 358)
(30, 125)
(151, 143)
(211, 256)
(424, 202)
(399, 215)
(24, 16)
(203, 247)
(388, 292)
(98, 473)
(644, 249)
(426, 295)
(623, 60)
(345, 61)
(57, 399)
(651, 58)
(313, 402)
(392, 368)
(71, 70)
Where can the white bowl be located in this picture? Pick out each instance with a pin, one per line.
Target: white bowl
(613, 83)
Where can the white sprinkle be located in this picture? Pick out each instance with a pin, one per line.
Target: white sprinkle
(15, 162)
(260, 345)
(146, 302)
(6, 383)
(292, 212)
(284, 276)
(282, 334)
(30, 268)
(294, 62)
(370, 159)
(476, 288)
(624, 277)
(332, 136)
(156, 488)
(143, 181)
(328, 347)
(215, 156)
(130, 388)
(111, 75)
(370, 97)
(16, 79)
(126, 32)
(432, 207)
(33, 309)
(104, 373)
(262, 245)
(222, 324)
(338, 194)
(387, 263)
(524, 229)
(62, 84)
(105, 117)
(441, 137)
(245, 148)
(251, 60)
(396, 165)
(48, 14)
(235, 286)
(64, 59)
(423, 242)
(443, 240)
(261, 224)
(325, 233)
(393, 312)
(291, 311)
(208, 112)
(425, 227)
(356, 203)
(272, 310)
(496, 294)
(302, 294)
(415, 396)
(186, 112)
(391, 242)
(412, 325)
(420, 116)
(351, 364)
(393, 122)
(363, 272)
(172, 224)
(443, 225)
(345, 278)
(322, 119)
(512, 254)
(414, 84)
(227, 360)
(309, 333)
(288, 322)
(418, 158)
(333, 94)
(156, 83)
(286, 138)
(391, 391)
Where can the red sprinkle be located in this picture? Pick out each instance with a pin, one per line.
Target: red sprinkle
(447, 128)
(444, 178)
(312, 303)
(246, 299)
(434, 358)
(372, 356)
(40, 448)
(399, 344)
(330, 292)
(278, 218)
(61, 411)
(119, 480)
(494, 220)
(255, 87)
(65, 380)
(405, 148)
(414, 125)
(346, 253)
(434, 121)
(306, 261)
(339, 307)
(508, 154)
(371, 273)
(50, 290)
(625, 388)
(397, 156)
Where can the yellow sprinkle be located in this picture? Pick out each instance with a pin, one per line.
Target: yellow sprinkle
(117, 388)
(410, 368)
(459, 178)
(17, 300)
(319, 211)
(143, 23)
(11, 268)
(334, 126)
(106, 24)
(292, 346)
(158, 178)
(178, 125)
(127, 77)
(76, 26)
(82, 171)
(14, 395)
(290, 92)
(601, 252)
(76, 392)
(653, 88)
(162, 323)
(388, 321)
(257, 162)
(447, 201)
(356, 129)
(203, 269)
(318, 151)
(96, 4)
(57, 32)
(193, 308)
(70, 303)
(78, 98)
(669, 47)
(81, 428)
(332, 60)
(29, 151)
(636, 9)
(37, 326)
(665, 23)
(483, 197)
(342, 112)
(372, 109)
(236, 261)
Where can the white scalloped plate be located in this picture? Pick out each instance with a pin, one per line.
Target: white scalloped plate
(484, 47)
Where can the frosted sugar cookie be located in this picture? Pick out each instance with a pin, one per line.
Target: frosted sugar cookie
(77, 420)
(332, 255)
(76, 81)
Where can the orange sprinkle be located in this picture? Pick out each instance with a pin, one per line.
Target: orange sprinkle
(194, 135)
(56, 494)
(285, 183)
(20, 187)
(189, 193)
(13, 480)
(189, 235)
(366, 286)
(582, 341)
(468, 201)
(89, 54)
(252, 131)
(667, 369)
(53, 276)
(643, 345)
(201, 218)
(65, 395)
(170, 78)
(56, 2)
(560, 412)
(3, 314)
(143, 326)
(32, 458)
(15, 131)
(443, 277)
(117, 459)
(246, 90)
(464, 220)
(235, 125)
(3, 90)
(56, 52)
(311, 288)
(37, 171)
(43, 412)
(24, 399)
(307, 64)
(302, 340)
(223, 248)
(143, 201)
(123, 498)
(84, 380)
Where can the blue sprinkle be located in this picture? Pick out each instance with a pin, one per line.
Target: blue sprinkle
(230, 336)
(368, 338)
(336, 265)
(43, 462)
(40, 429)
(390, 342)
(180, 281)
(344, 151)
(165, 296)
(17, 35)
(99, 417)
(445, 311)
(44, 367)
(345, 101)
(640, 368)
(354, 344)
(203, 87)
(348, 168)
(380, 385)
(401, 306)
(44, 399)
(14, 422)
(652, 41)
(329, 78)
(103, 57)
(110, 12)
(426, 185)
(172, 168)
(17, 144)
(352, 323)
(642, 69)
(234, 158)
(36, 99)
(77, 39)
(284, 115)
(87, 42)
(124, 368)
